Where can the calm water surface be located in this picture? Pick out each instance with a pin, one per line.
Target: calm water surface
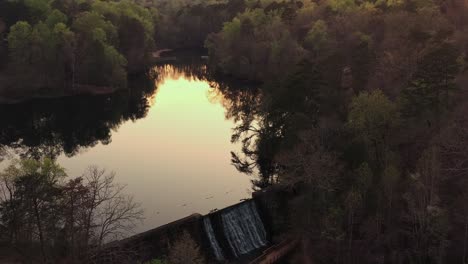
(172, 152)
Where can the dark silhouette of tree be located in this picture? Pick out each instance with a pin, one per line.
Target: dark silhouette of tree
(185, 250)
(430, 91)
(39, 212)
(50, 127)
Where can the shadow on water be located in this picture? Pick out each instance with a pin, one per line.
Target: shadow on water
(50, 127)
(241, 99)
(54, 126)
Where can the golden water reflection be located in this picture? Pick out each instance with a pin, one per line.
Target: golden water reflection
(176, 160)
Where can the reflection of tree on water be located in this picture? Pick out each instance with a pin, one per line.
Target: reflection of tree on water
(240, 99)
(244, 105)
(191, 70)
(48, 127)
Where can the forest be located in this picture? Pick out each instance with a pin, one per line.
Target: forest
(364, 111)
(360, 108)
(68, 45)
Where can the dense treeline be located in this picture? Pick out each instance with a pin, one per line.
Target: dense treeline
(67, 44)
(363, 112)
(49, 218)
(186, 23)
(362, 107)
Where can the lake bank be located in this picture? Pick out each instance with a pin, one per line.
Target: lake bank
(78, 90)
(143, 135)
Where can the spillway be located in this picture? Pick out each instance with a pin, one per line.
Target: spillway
(217, 251)
(243, 228)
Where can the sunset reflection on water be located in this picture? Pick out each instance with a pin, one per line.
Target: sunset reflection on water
(176, 160)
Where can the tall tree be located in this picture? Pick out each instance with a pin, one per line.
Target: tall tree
(430, 91)
(372, 117)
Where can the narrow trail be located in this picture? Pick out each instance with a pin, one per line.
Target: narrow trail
(157, 54)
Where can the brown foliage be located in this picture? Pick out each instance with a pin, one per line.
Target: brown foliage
(185, 251)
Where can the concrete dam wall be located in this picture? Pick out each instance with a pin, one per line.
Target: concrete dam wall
(237, 233)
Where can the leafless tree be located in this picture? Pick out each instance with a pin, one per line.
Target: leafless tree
(7, 190)
(454, 169)
(185, 251)
(110, 213)
(309, 162)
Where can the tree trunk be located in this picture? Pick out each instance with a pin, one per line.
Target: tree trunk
(464, 241)
(72, 225)
(350, 243)
(39, 227)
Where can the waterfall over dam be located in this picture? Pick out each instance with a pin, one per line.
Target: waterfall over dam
(236, 234)
(240, 230)
(218, 252)
(244, 229)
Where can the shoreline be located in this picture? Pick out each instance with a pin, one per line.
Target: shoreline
(79, 90)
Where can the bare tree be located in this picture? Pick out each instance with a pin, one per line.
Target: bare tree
(110, 213)
(309, 162)
(454, 167)
(185, 251)
(7, 191)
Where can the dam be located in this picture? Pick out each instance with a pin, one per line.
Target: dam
(237, 234)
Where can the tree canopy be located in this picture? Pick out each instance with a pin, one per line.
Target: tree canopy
(65, 44)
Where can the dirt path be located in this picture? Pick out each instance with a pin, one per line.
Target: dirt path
(157, 54)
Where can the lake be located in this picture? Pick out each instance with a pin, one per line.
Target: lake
(167, 139)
